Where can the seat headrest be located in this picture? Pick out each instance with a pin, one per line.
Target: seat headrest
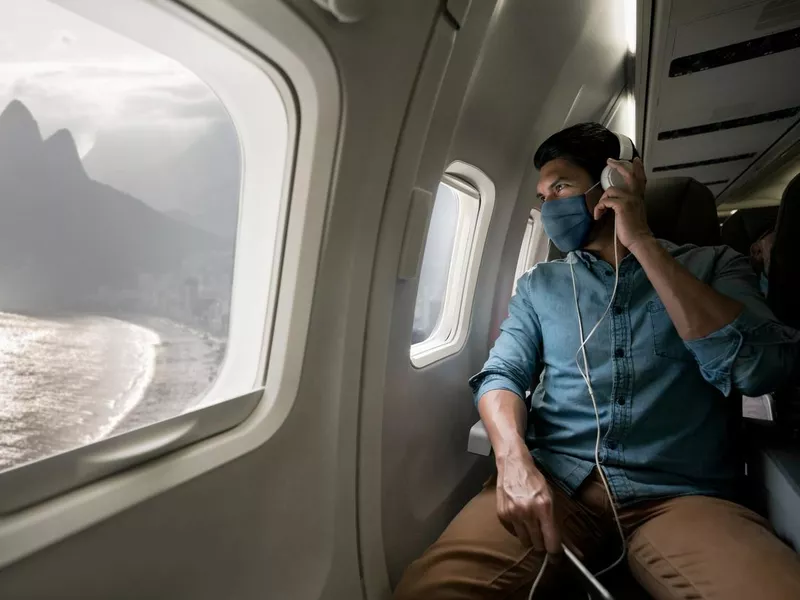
(682, 211)
(744, 227)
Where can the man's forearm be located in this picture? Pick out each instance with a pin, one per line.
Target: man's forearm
(504, 415)
(695, 308)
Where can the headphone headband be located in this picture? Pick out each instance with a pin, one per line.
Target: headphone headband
(609, 177)
(625, 146)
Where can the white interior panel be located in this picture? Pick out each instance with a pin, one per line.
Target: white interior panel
(730, 142)
(730, 92)
(416, 473)
(722, 26)
(708, 172)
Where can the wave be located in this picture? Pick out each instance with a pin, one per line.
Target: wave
(146, 343)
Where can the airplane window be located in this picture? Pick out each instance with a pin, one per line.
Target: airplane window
(534, 246)
(438, 257)
(120, 180)
(457, 229)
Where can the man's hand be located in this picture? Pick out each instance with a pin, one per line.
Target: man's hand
(627, 204)
(525, 503)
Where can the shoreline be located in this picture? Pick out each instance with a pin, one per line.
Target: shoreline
(186, 363)
(73, 379)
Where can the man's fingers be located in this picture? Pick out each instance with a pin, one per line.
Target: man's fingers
(544, 518)
(535, 532)
(616, 193)
(638, 169)
(606, 203)
(551, 535)
(521, 531)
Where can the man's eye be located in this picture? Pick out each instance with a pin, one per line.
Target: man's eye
(559, 186)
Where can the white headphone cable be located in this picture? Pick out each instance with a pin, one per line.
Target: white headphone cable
(587, 379)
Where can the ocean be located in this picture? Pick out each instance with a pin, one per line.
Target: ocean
(67, 381)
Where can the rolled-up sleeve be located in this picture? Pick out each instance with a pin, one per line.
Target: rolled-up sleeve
(753, 353)
(516, 354)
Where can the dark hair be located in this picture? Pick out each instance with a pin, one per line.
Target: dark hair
(587, 145)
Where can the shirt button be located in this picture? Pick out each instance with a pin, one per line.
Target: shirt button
(612, 444)
(619, 353)
(617, 310)
(620, 400)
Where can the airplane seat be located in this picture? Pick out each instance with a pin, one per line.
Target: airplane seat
(775, 460)
(784, 273)
(682, 210)
(783, 295)
(744, 227)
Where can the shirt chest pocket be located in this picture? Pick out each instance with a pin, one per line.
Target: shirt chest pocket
(666, 341)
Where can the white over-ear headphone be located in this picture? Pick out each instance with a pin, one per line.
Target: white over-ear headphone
(610, 176)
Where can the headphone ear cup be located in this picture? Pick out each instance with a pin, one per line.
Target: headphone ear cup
(610, 177)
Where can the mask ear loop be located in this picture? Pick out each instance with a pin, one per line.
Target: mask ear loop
(591, 188)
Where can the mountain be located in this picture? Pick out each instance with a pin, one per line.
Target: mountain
(199, 178)
(66, 239)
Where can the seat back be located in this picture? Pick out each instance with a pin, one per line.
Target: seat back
(683, 211)
(784, 271)
(744, 227)
(783, 296)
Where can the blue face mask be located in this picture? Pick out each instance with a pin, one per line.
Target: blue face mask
(567, 221)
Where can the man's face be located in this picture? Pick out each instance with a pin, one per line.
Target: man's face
(761, 251)
(560, 178)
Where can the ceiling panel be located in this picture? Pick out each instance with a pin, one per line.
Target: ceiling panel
(719, 143)
(716, 189)
(739, 90)
(746, 105)
(707, 172)
(726, 27)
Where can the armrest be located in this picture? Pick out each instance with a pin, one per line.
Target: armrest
(479, 440)
(779, 472)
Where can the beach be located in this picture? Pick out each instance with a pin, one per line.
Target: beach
(70, 380)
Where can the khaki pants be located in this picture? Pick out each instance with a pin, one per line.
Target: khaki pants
(690, 547)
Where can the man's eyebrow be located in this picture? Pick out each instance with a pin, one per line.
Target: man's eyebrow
(557, 181)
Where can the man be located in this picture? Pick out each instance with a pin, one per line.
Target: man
(760, 255)
(686, 328)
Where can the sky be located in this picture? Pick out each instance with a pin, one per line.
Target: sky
(73, 73)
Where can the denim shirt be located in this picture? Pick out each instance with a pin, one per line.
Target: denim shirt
(664, 413)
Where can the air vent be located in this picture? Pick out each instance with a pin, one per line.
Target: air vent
(715, 182)
(775, 115)
(734, 53)
(777, 13)
(704, 163)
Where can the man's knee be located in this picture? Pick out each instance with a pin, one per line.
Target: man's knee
(453, 578)
(724, 550)
(415, 583)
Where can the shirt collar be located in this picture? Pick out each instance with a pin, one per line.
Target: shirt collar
(588, 258)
